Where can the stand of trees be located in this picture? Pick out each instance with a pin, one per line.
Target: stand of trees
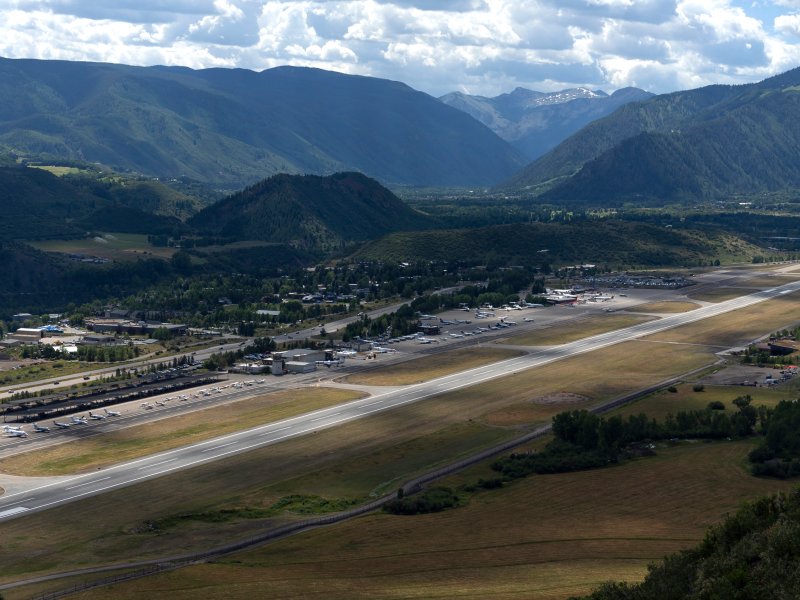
(778, 455)
(584, 440)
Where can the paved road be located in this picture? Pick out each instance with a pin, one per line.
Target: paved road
(75, 488)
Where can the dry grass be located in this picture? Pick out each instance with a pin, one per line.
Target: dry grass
(562, 333)
(85, 455)
(542, 537)
(738, 327)
(349, 461)
(430, 367)
(667, 306)
(116, 246)
(598, 376)
(661, 403)
(768, 281)
(718, 294)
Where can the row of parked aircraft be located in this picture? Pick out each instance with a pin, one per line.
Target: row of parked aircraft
(18, 431)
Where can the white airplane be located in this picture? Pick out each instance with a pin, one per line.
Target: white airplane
(160, 403)
(456, 335)
(528, 320)
(443, 322)
(10, 428)
(61, 424)
(533, 305)
(40, 428)
(16, 433)
(112, 413)
(96, 417)
(79, 420)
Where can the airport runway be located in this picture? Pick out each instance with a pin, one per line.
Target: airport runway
(75, 488)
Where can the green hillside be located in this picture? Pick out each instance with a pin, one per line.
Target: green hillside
(232, 127)
(615, 243)
(753, 555)
(309, 212)
(703, 144)
(38, 205)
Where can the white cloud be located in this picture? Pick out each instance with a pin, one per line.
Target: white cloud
(482, 46)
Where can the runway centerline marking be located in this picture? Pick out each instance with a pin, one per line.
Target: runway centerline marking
(72, 487)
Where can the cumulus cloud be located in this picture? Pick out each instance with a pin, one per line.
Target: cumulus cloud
(478, 46)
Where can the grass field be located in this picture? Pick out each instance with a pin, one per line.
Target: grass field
(113, 246)
(542, 537)
(738, 327)
(351, 461)
(664, 307)
(46, 370)
(718, 294)
(562, 333)
(661, 403)
(59, 171)
(81, 456)
(430, 367)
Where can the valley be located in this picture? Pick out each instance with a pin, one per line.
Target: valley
(294, 332)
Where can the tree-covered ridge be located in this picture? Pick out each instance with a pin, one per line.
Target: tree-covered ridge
(310, 212)
(701, 144)
(603, 242)
(231, 127)
(38, 205)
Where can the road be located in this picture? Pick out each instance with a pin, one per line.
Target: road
(74, 488)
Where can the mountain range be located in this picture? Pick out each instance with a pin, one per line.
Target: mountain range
(535, 122)
(233, 127)
(708, 143)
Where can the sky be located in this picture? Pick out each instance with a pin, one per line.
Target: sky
(484, 47)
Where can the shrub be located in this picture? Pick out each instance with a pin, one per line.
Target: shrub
(435, 499)
(672, 389)
(716, 405)
(698, 387)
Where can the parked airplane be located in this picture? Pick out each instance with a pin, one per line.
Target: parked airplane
(79, 420)
(10, 428)
(40, 428)
(16, 433)
(528, 320)
(96, 417)
(533, 305)
(443, 322)
(112, 413)
(160, 403)
(62, 425)
(456, 335)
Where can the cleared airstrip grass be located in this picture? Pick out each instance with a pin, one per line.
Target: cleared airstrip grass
(667, 306)
(429, 367)
(719, 294)
(563, 333)
(740, 326)
(84, 455)
(543, 537)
